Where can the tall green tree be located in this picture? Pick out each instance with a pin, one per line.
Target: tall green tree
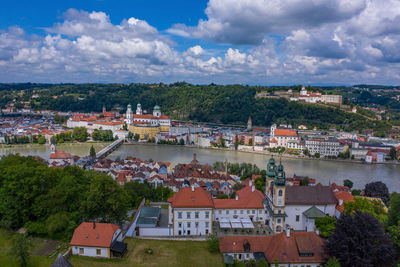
(92, 152)
(20, 249)
(106, 200)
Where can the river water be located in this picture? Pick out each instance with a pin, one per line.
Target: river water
(324, 171)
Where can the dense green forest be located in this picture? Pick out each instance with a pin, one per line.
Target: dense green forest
(53, 201)
(229, 104)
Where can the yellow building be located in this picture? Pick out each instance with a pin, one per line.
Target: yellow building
(144, 131)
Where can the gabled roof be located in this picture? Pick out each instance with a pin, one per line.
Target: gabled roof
(309, 195)
(313, 213)
(285, 132)
(189, 197)
(92, 234)
(247, 199)
(61, 262)
(279, 247)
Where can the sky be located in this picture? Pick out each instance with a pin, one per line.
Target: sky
(257, 42)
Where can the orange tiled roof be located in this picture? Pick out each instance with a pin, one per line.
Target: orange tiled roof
(99, 236)
(285, 132)
(279, 247)
(185, 198)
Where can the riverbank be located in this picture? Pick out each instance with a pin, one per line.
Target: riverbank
(268, 153)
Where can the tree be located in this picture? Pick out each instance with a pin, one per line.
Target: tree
(213, 243)
(19, 249)
(250, 141)
(305, 181)
(306, 152)
(356, 192)
(377, 189)
(92, 152)
(125, 127)
(130, 135)
(136, 137)
(236, 142)
(362, 204)
(326, 225)
(359, 240)
(106, 200)
(262, 263)
(332, 262)
(181, 142)
(348, 183)
(222, 196)
(393, 221)
(393, 153)
(41, 139)
(317, 155)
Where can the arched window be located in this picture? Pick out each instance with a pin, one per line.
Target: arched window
(280, 192)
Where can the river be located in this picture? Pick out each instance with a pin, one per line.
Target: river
(324, 171)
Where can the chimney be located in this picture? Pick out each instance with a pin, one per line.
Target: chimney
(253, 188)
(340, 202)
(237, 197)
(94, 225)
(287, 232)
(192, 188)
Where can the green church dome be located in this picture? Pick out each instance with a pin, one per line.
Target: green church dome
(156, 107)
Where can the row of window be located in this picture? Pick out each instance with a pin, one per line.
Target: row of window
(241, 211)
(196, 224)
(196, 215)
(82, 251)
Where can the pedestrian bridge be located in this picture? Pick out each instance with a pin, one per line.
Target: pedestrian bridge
(109, 149)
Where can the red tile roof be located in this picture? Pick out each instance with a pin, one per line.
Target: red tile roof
(246, 200)
(285, 132)
(279, 247)
(59, 154)
(345, 196)
(99, 236)
(191, 197)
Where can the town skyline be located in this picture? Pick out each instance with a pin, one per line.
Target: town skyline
(254, 42)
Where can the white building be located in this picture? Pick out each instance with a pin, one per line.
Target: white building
(191, 212)
(295, 207)
(282, 136)
(325, 146)
(101, 240)
(247, 206)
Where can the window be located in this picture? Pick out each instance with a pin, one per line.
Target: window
(207, 224)
(227, 212)
(188, 215)
(254, 211)
(248, 212)
(188, 224)
(279, 220)
(180, 225)
(180, 215)
(98, 251)
(196, 214)
(197, 225)
(297, 218)
(207, 214)
(235, 211)
(220, 211)
(280, 193)
(241, 212)
(81, 251)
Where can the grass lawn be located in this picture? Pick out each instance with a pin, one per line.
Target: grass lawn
(165, 253)
(34, 260)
